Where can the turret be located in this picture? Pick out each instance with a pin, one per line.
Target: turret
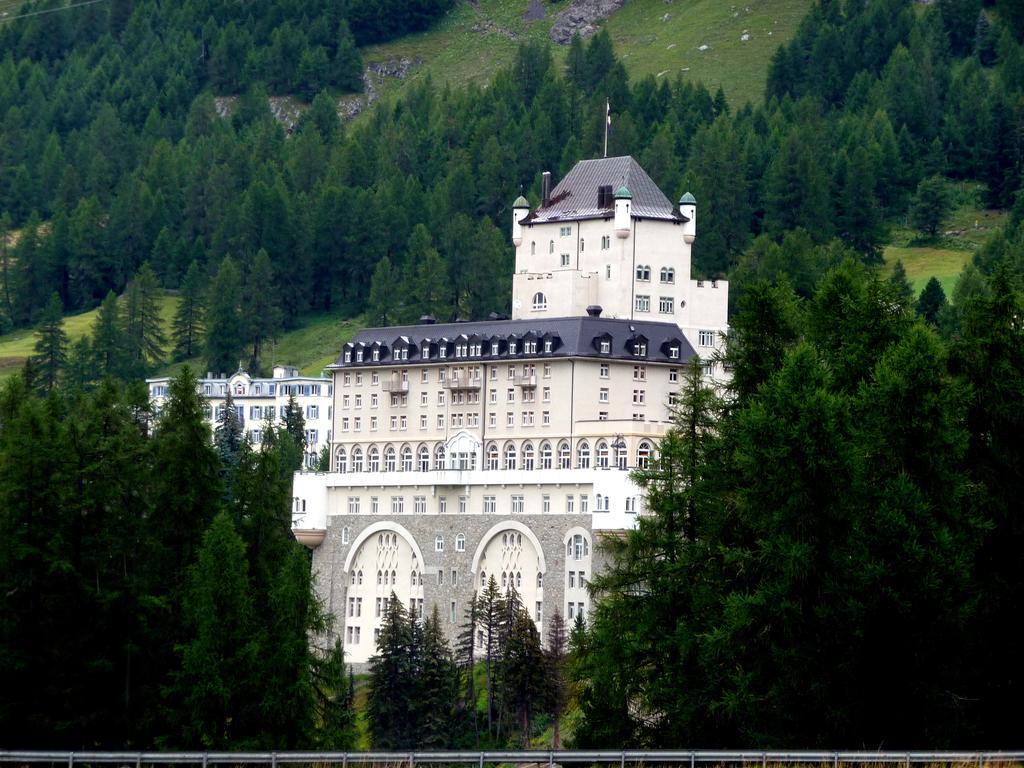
(623, 204)
(520, 208)
(688, 207)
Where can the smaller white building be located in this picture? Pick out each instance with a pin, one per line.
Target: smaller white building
(261, 400)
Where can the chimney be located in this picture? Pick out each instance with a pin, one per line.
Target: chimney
(594, 310)
(545, 187)
(427, 320)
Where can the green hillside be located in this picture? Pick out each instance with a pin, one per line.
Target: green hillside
(946, 257)
(652, 36)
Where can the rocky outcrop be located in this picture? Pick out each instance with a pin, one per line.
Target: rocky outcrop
(582, 17)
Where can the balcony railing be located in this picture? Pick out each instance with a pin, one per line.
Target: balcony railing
(458, 383)
(526, 381)
(394, 386)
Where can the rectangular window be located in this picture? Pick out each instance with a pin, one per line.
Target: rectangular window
(440, 577)
(397, 505)
(374, 400)
(565, 260)
(442, 505)
(639, 396)
(539, 611)
(452, 613)
(570, 504)
(665, 305)
(572, 579)
(517, 505)
(545, 503)
(463, 504)
(374, 505)
(423, 421)
(373, 423)
(546, 394)
(639, 373)
(606, 242)
(546, 418)
(420, 505)
(565, 231)
(510, 419)
(602, 396)
(706, 338)
(353, 505)
(642, 303)
(490, 505)
(673, 375)
(440, 421)
(454, 577)
(584, 503)
(602, 415)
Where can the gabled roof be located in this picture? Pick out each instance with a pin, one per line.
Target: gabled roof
(576, 196)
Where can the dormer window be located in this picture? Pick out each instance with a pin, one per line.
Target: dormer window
(376, 355)
(547, 345)
(425, 351)
(606, 347)
(359, 355)
(494, 347)
(348, 355)
(513, 347)
(640, 349)
(442, 350)
(673, 352)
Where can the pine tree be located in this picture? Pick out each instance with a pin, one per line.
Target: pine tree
(931, 206)
(51, 345)
(558, 687)
(259, 307)
(931, 301)
(143, 324)
(187, 330)
(224, 323)
(108, 342)
(216, 687)
(389, 705)
(382, 303)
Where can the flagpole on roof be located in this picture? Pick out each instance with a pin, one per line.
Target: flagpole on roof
(607, 124)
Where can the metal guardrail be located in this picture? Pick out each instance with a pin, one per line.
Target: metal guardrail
(480, 759)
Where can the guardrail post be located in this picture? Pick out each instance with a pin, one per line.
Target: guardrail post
(835, 760)
(481, 760)
(344, 760)
(206, 758)
(908, 760)
(693, 758)
(71, 759)
(764, 760)
(623, 763)
(138, 760)
(412, 761)
(551, 759)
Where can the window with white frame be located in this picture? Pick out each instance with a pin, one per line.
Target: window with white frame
(490, 505)
(606, 242)
(565, 260)
(668, 275)
(642, 303)
(706, 338)
(419, 505)
(643, 273)
(439, 543)
(665, 305)
(397, 505)
(460, 543)
(517, 505)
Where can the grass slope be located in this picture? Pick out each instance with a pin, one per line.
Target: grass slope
(475, 40)
(17, 346)
(946, 256)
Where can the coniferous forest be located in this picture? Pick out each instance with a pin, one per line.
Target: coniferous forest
(835, 549)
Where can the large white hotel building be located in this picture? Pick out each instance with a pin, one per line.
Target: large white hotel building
(502, 448)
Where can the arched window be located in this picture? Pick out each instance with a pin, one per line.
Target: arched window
(643, 454)
(540, 301)
(504, 580)
(620, 453)
(545, 455)
(359, 577)
(439, 456)
(510, 456)
(407, 459)
(373, 459)
(528, 456)
(357, 459)
(341, 461)
(519, 579)
(602, 454)
(424, 459)
(564, 455)
(583, 454)
(668, 275)
(540, 581)
(577, 547)
(492, 456)
(643, 272)
(414, 578)
(394, 577)
(460, 542)
(551, 247)
(380, 576)
(483, 578)
(389, 459)
(439, 543)
(352, 578)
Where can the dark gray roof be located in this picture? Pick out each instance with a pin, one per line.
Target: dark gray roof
(576, 196)
(570, 336)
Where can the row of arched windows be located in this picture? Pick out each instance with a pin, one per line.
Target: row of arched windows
(523, 456)
(512, 455)
(507, 579)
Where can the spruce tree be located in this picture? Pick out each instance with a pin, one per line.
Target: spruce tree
(383, 302)
(523, 671)
(216, 687)
(295, 427)
(931, 301)
(51, 345)
(143, 324)
(335, 692)
(389, 704)
(259, 308)
(931, 206)
(229, 437)
(555, 666)
(437, 687)
(187, 330)
(490, 612)
(224, 323)
(109, 346)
